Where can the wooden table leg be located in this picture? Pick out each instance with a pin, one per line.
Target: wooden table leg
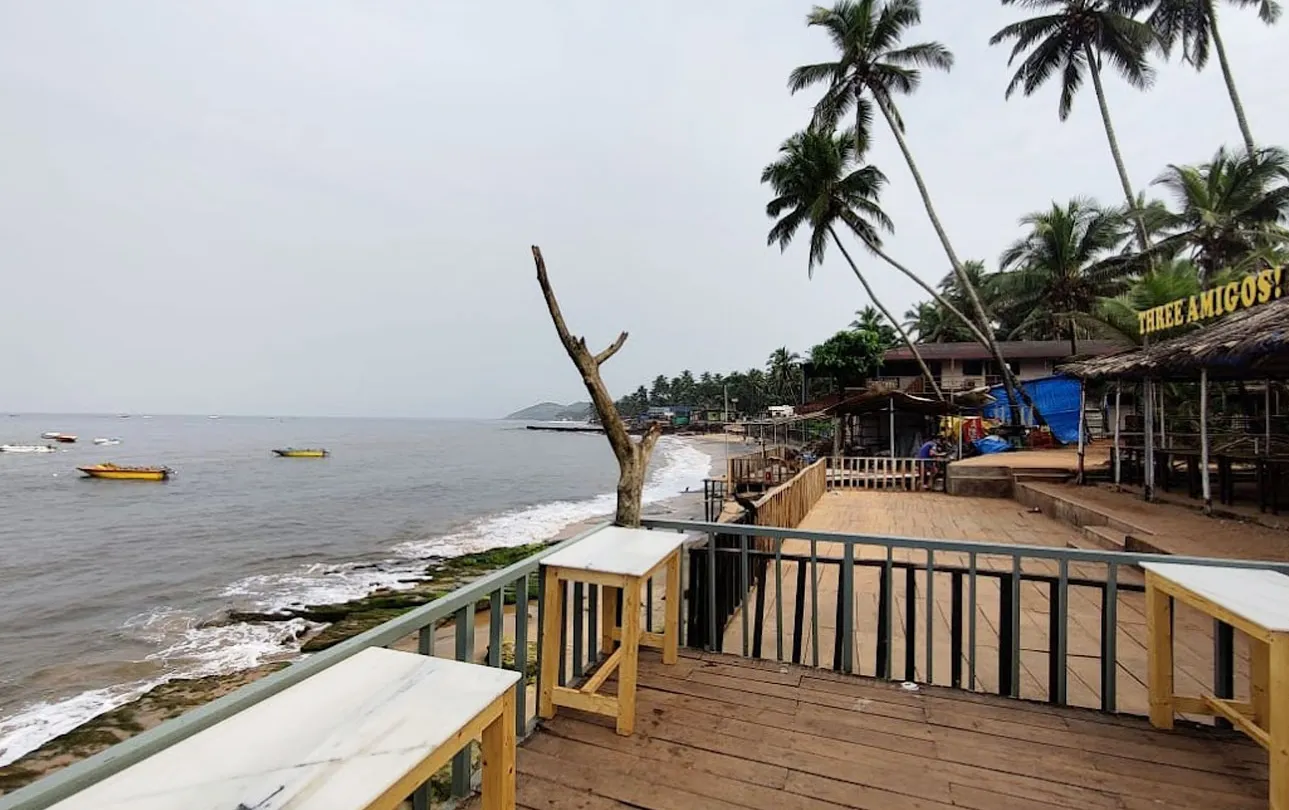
(629, 667)
(671, 619)
(608, 617)
(1159, 654)
(1259, 680)
(498, 752)
(1278, 720)
(552, 651)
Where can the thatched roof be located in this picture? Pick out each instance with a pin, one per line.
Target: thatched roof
(1249, 345)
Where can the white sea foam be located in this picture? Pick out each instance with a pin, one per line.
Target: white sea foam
(319, 584)
(680, 466)
(187, 649)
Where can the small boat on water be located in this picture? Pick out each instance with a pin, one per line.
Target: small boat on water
(114, 472)
(107, 442)
(27, 448)
(65, 438)
(293, 452)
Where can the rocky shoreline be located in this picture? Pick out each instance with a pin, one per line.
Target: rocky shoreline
(332, 624)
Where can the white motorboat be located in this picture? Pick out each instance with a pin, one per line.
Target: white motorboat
(51, 434)
(107, 442)
(27, 448)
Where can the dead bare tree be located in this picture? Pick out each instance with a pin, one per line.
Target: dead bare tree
(633, 457)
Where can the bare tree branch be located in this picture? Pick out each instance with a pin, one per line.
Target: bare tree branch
(612, 350)
(633, 458)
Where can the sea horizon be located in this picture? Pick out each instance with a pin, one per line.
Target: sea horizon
(111, 587)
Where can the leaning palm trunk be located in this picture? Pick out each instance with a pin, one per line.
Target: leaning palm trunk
(1009, 380)
(1230, 80)
(1094, 67)
(899, 329)
(980, 336)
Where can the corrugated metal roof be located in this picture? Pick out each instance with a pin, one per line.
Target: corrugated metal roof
(1011, 350)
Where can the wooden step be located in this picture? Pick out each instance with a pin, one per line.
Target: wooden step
(1103, 538)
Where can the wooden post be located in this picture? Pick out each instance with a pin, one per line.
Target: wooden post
(1149, 438)
(1159, 654)
(552, 652)
(890, 405)
(1163, 423)
(1203, 440)
(1267, 416)
(498, 753)
(1083, 403)
(1118, 448)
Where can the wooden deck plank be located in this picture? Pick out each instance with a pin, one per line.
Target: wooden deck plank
(722, 732)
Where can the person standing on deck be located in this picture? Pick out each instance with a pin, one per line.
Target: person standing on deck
(931, 449)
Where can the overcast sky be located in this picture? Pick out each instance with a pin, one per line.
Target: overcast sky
(325, 207)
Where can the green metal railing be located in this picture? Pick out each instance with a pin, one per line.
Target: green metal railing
(458, 608)
(733, 576)
(973, 571)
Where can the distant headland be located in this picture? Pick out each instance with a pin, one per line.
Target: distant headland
(553, 412)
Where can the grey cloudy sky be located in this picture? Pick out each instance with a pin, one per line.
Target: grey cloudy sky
(325, 207)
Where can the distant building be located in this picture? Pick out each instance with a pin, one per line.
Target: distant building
(963, 366)
(781, 411)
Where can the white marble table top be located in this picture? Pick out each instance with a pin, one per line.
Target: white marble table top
(615, 550)
(1254, 594)
(335, 741)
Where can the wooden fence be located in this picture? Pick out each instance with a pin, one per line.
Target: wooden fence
(764, 467)
(876, 472)
(731, 582)
(787, 505)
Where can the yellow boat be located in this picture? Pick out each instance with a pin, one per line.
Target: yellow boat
(117, 473)
(291, 452)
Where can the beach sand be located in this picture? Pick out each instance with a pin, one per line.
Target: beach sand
(172, 699)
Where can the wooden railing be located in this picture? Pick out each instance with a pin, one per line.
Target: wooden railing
(877, 472)
(731, 580)
(763, 467)
(787, 505)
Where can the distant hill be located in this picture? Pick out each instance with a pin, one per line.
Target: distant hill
(553, 412)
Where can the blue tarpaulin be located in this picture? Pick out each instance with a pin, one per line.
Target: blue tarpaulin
(991, 444)
(1057, 398)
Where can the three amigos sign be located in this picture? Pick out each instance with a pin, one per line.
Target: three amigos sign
(1253, 289)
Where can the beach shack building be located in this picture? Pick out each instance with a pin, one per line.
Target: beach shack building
(967, 366)
(1247, 350)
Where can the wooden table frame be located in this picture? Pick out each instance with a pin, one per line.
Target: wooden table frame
(495, 728)
(625, 659)
(1264, 717)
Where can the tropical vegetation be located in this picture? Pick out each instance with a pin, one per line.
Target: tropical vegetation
(1078, 268)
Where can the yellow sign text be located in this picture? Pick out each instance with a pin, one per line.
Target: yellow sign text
(1256, 288)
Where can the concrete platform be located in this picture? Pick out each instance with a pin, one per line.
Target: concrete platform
(1122, 521)
(995, 475)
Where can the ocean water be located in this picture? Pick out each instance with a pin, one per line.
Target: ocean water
(105, 585)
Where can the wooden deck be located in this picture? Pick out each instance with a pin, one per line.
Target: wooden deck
(935, 515)
(721, 732)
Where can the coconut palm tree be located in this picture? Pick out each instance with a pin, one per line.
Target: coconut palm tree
(1116, 317)
(1194, 22)
(1052, 275)
(784, 369)
(869, 319)
(1075, 41)
(871, 68)
(1230, 210)
(818, 182)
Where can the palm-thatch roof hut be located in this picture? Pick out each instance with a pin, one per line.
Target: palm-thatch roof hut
(1249, 345)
